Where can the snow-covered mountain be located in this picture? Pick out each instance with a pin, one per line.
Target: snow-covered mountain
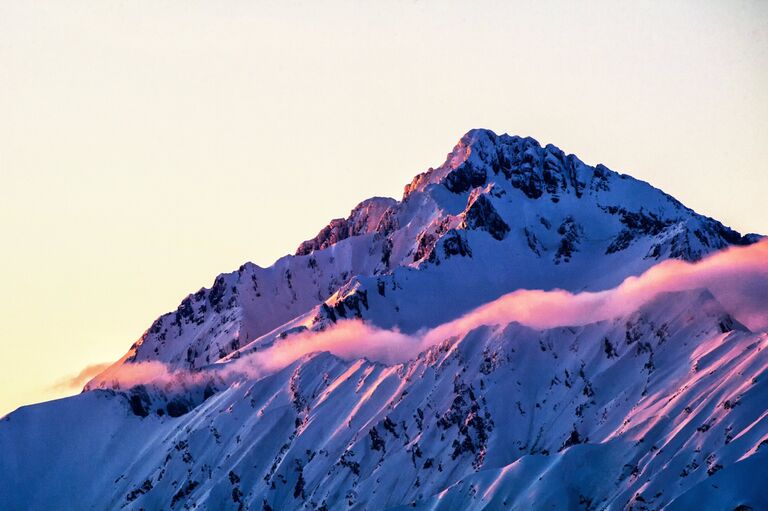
(502, 211)
(659, 407)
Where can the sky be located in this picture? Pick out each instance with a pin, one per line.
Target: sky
(146, 147)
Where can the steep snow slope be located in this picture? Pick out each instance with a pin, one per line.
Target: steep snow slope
(662, 407)
(501, 213)
(640, 412)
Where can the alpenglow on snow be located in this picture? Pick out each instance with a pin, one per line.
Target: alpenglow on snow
(520, 330)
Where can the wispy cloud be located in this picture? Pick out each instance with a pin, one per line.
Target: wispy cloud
(737, 277)
(76, 382)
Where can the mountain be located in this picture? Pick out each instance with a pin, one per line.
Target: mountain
(501, 209)
(309, 384)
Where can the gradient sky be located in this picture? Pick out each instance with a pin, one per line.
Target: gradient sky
(147, 146)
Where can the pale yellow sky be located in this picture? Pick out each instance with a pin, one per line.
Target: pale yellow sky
(147, 146)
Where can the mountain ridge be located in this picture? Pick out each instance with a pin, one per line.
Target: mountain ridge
(354, 260)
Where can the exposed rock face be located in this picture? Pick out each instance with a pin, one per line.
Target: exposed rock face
(465, 177)
(637, 225)
(529, 168)
(480, 214)
(366, 217)
(570, 232)
(452, 244)
(335, 231)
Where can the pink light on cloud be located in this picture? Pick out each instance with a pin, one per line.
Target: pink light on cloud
(78, 380)
(737, 277)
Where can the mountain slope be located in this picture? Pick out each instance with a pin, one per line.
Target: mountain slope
(349, 375)
(503, 209)
(633, 412)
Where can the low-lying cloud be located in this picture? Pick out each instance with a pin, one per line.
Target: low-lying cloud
(78, 380)
(737, 277)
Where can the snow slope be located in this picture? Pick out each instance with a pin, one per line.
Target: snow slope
(660, 407)
(638, 412)
(501, 209)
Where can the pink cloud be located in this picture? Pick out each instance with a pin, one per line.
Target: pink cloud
(77, 381)
(737, 277)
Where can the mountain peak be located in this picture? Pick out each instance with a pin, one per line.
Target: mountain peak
(474, 140)
(482, 155)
